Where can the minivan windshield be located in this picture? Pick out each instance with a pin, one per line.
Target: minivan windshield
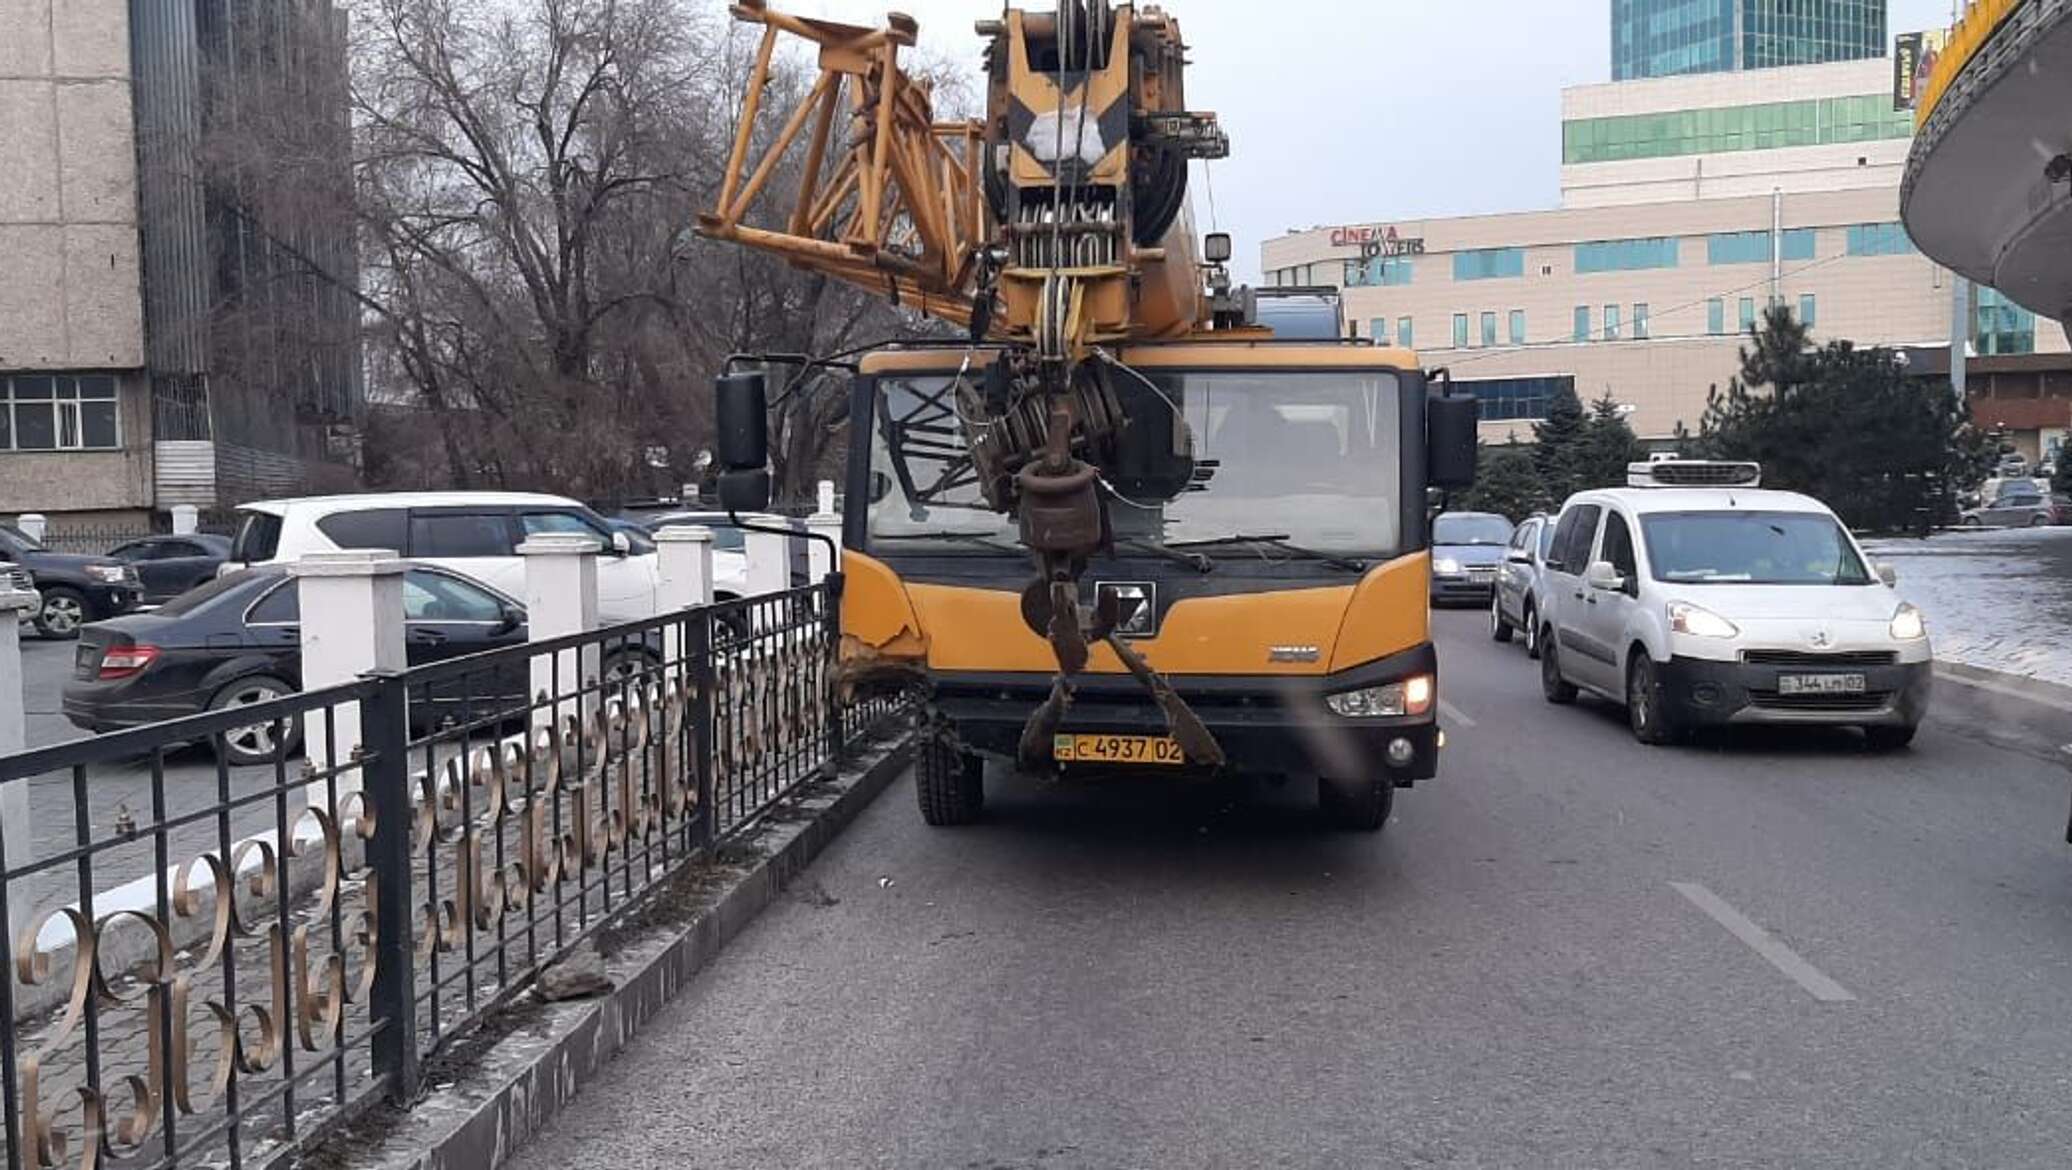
(1459, 528)
(1751, 548)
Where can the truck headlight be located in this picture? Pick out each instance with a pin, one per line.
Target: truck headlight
(1412, 696)
(1907, 625)
(1446, 567)
(1699, 622)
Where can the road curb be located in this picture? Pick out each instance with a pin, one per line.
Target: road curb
(2036, 690)
(509, 1093)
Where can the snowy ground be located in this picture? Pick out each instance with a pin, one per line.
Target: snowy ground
(2001, 600)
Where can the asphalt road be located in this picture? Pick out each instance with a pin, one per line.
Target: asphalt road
(1569, 951)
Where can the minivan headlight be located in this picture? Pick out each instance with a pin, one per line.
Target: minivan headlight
(1699, 622)
(1446, 566)
(1907, 625)
(1412, 696)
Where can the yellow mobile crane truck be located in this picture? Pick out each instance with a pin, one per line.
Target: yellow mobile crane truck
(1115, 524)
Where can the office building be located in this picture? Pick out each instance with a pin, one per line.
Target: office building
(1670, 38)
(171, 332)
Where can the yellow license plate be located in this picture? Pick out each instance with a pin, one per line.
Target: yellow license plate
(1118, 749)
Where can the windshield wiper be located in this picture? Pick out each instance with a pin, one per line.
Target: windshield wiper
(1279, 541)
(960, 537)
(1199, 562)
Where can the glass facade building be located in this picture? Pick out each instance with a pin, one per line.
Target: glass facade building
(1673, 133)
(1667, 38)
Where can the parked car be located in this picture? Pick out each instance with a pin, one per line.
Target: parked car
(1721, 605)
(2012, 467)
(730, 543)
(476, 534)
(2020, 508)
(75, 589)
(236, 641)
(1515, 607)
(15, 579)
(171, 565)
(1467, 548)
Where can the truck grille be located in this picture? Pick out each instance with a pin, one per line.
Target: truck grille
(1816, 661)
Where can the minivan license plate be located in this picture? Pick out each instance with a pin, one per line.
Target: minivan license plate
(1821, 684)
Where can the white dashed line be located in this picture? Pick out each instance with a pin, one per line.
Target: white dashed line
(1782, 957)
(1455, 713)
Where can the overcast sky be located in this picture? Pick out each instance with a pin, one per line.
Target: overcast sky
(1365, 110)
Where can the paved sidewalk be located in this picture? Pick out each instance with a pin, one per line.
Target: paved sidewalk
(1998, 599)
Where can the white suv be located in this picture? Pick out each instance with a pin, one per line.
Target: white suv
(473, 533)
(1726, 604)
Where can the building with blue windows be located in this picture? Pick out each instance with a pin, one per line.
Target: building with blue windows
(1673, 38)
(1689, 206)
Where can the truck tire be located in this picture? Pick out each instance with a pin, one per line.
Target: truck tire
(950, 785)
(1360, 806)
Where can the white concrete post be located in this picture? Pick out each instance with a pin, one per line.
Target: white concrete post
(824, 555)
(351, 624)
(14, 737)
(686, 556)
(769, 556)
(186, 519)
(561, 599)
(33, 525)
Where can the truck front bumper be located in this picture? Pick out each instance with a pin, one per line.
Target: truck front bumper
(1265, 724)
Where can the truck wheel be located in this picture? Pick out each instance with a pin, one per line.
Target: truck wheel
(1557, 689)
(1498, 627)
(1360, 806)
(951, 785)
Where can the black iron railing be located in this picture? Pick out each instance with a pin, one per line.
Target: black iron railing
(210, 963)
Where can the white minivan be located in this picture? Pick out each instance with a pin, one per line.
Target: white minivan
(1694, 597)
(473, 533)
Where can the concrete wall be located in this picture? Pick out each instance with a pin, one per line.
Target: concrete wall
(55, 482)
(68, 206)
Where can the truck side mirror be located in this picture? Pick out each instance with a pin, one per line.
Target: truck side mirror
(743, 413)
(1450, 425)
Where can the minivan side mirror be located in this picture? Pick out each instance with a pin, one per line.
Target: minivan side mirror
(622, 544)
(743, 414)
(1888, 574)
(1602, 577)
(1519, 556)
(1450, 425)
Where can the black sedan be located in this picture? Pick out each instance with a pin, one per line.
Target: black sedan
(76, 589)
(236, 641)
(171, 565)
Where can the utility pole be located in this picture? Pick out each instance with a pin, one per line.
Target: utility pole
(1960, 334)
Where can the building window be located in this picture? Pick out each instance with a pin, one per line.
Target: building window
(1754, 247)
(2003, 326)
(58, 412)
(1640, 321)
(1378, 329)
(1404, 332)
(1880, 239)
(1488, 329)
(1747, 314)
(1489, 264)
(1380, 272)
(1715, 316)
(1460, 331)
(1809, 310)
(1611, 322)
(1582, 330)
(1626, 255)
(1517, 399)
(1724, 130)
(1517, 326)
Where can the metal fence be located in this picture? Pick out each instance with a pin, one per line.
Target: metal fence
(99, 539)
(299, 939)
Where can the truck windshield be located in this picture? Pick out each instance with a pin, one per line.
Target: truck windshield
(1751, 548)
(1312, 456)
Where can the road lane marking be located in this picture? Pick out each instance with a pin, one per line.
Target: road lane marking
(1757, 939)
(1455, 713)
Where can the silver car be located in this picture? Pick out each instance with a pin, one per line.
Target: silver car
(2018, 508)
(1516, 606)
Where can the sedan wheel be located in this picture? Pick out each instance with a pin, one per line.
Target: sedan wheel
(257, 743)
(1499, 629)
(1532, 634)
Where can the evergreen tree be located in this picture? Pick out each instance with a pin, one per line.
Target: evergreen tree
(1558, 439)
(1608, 446)
(1506, 482)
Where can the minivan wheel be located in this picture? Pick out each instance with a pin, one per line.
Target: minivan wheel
(64, 611)
(1557, 689)
(1652, 723)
